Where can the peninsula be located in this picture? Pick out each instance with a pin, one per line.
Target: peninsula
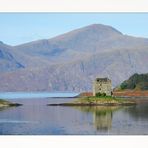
(4, 103)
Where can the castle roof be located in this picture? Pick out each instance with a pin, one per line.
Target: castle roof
(102, 80)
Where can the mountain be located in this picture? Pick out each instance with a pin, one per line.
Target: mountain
(136, 82)
(81, 42)
(72, 60)
(7, 61)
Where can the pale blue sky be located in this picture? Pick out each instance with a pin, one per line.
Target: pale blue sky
(17, 28)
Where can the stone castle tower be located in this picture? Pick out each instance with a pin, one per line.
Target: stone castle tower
(102, 85)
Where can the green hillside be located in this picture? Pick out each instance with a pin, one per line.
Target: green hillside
(136, 81)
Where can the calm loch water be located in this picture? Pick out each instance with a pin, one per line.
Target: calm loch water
(36, 118)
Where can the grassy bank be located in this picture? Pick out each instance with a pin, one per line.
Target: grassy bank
(103, 100)
(4, 103)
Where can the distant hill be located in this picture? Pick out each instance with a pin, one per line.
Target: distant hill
(71, 61)
(136, 82)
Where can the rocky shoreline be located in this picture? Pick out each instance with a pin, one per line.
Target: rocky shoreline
(97, 101)
(92, 104)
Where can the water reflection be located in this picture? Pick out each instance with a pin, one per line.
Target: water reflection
(4, 108)
(36, 118)
(138, 112)
(102, 116)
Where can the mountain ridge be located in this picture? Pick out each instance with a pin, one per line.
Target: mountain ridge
(73, 62)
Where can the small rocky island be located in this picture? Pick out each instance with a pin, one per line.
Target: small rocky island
(4, 103)
(97, 101)
(102, 96)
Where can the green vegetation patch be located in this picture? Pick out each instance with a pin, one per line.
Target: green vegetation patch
(136, 81)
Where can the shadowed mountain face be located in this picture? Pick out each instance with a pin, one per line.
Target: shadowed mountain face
(7, 60)
(72, 60)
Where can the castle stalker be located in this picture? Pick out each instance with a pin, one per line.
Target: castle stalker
(102, 85)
